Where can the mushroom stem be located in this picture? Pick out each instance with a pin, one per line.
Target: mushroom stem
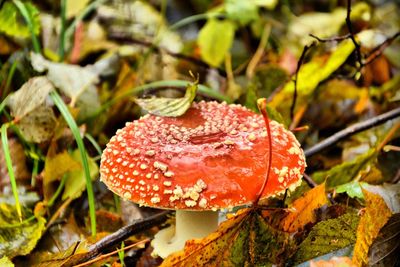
(189, 225)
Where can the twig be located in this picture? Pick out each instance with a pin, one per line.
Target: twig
(352, 37)
(196, 61)
(332, 39)
(299, 63)
(353, 129)
(117, 237)
(377, 51)
(309, 180)
(112, 253)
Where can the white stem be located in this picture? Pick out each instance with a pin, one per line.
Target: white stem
(189, 225)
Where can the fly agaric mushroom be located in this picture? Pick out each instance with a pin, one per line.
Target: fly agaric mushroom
(212, 157)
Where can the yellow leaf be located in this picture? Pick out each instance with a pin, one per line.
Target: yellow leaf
(377, 213)
(304, 209)
(58, 165)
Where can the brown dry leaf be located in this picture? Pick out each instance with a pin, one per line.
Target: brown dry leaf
(377, 213)
(19, 164)
(245, 239)
(304, 208)
(334, 262)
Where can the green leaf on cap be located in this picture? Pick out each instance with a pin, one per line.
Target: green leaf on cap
(169, 107)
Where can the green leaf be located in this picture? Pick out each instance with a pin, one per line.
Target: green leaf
(243, 11)
(215, 40)
(76, 181)
(347, 171)
(327, 236)
(5, 262)
(169, 107)
(18, 238)
(12, 24)
(352, 189)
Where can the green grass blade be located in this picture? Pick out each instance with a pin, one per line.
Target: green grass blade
(24, 12)
(94, 143)
(61, 47)
(75, 131)
(7, 156)
(9, 78)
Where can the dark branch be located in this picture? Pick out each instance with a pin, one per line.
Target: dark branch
(117, 237)
(333, 39)
(126, 39)
(299, 63)
(377, 51)
(352, 37)
(310, 182)
(355, 128)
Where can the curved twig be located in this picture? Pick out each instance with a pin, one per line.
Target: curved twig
(353, 129)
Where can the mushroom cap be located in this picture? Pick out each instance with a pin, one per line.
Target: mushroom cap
(215, 156)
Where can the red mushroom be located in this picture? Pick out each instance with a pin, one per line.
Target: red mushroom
(212, 157)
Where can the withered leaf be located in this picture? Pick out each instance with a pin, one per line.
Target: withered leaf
(244, 239)
(304, 209)
(58, 165)
(327, 236)
(169, 107)
(376, 215)
(385, 249)
(18, 238)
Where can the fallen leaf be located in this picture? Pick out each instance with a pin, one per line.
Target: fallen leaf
(38, 126)
(72, 80)
(327, 236)
(242, 11)
(56, 166)
(390, 194)
(18, 238)
(385, 249)
(334, 262)
(215, 40)
(5, 262)
(347, 171)
(12, 23)
(30, 96)
(20, 167)
(32, 109)
(304, 209)
(352, 189)
(375, 217)
(169, 107)
(73, 253)
(243, 240)
(75, 183)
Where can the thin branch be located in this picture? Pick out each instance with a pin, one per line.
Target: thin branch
(196, 61)
(352, 36)
(332, 39)
(310, 182)
(353, 129)
(117, 237)
(105, 256)
(299, 63)
(378, 51)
